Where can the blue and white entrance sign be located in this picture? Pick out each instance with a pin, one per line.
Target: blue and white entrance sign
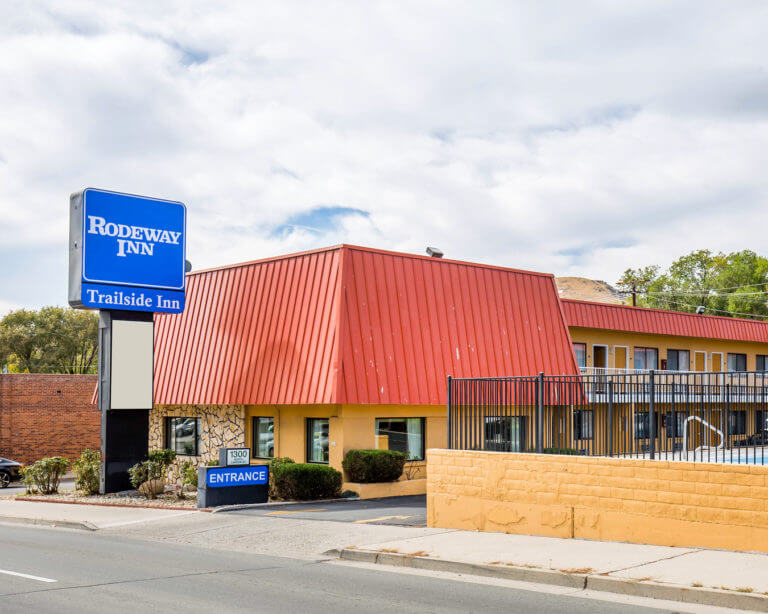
(126, 252)
(218, 477)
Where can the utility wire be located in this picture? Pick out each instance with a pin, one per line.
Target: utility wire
(733, 313)
(716, 293)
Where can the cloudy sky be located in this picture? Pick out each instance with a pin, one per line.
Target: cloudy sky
(573, 137)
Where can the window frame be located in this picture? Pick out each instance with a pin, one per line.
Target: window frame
(499, 443)
(761, 358)
(737, 418)
(254, 435)
(735, 355)
(644, 350)
(677, 430)
(423, 421)
(308, 431)
(578, 424)
(168, 434)
(676, 353)
(576, 356)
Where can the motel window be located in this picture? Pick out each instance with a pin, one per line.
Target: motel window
(762, 363)
(583, 424)
(580, 349)
(737, 362)
(677, 428)
(405, 435)
(643, 425)
(183, 435)
(678, 360)
(317, 440)
(263, 437)
(505, 433)
(737, 423)
(646, 358)
(761, 421)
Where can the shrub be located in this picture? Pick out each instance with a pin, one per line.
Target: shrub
(154, 468)
(163, 458)
(374, 465)
(188, 472)
(44, 476)
(304, 481)
(275, 464)
(139, 473)
(86, 470)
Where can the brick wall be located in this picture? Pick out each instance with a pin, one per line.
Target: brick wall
(639, 501)
(47, 415)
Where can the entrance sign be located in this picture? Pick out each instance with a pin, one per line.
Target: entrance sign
(232, 485)
(126, 252)
(237, 476)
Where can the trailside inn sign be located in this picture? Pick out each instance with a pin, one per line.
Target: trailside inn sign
(126, 252)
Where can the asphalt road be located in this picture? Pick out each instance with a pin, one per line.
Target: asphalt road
(401, 511)
(54, 570)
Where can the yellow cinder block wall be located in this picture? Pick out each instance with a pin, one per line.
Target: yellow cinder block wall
(628, 500)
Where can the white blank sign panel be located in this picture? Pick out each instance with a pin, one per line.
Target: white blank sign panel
(132, 364)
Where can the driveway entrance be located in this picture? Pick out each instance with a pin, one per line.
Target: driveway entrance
(400, 511)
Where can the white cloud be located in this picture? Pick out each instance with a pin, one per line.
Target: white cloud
(577, 138)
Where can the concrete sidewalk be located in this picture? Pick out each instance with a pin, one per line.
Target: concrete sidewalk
(89, 517)
(731, 579)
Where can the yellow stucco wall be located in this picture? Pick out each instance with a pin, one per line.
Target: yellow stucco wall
(350, 426)
(663, 343)
(639, 501)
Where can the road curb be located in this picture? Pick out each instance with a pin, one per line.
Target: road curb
(64, 524)
(180, 508)
(248, 506)
(634, 588)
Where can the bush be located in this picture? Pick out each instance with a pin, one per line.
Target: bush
(374, 465)
(44, 476)
(304, 481)
(154, 468)
(87, 472)
(162, 458)
(274, 464)
(188, 472)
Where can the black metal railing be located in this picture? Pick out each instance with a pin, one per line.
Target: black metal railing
(695, 416)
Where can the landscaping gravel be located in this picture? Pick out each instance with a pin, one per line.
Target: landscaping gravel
(127, 498)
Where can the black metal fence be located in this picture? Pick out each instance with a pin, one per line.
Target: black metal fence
(694, 416)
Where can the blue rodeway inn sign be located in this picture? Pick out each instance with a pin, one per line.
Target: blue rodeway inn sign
(126, 252)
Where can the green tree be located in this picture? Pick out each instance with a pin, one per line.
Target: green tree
(51, 340)
(725, 284)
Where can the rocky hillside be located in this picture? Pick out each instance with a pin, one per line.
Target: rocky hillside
(584, 289)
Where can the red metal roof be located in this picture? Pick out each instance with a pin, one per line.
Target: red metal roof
(350, 324)
(587, 314)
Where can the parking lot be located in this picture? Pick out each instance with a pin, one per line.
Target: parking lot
(399, 511)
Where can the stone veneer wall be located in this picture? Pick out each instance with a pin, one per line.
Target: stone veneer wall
(222, 426)
(710, 505)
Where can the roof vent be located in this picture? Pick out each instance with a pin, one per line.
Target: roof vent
(435, 252)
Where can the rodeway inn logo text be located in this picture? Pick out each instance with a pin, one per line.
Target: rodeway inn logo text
(131, 240)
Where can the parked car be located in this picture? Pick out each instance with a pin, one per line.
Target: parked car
(9, 471)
